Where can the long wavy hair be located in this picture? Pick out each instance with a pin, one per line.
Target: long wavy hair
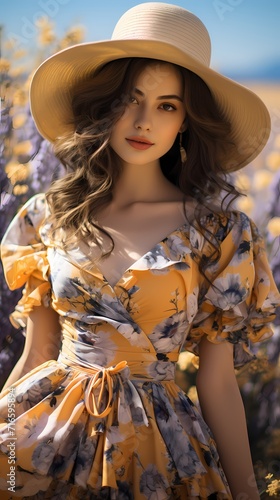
(93, 168)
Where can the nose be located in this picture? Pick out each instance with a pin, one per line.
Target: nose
(143, 119)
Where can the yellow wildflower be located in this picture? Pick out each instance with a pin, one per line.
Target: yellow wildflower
(4, 65)
(17, 172)
(10, 44)
(19, 120)
(273, 226)
(185, 360)
(258, 365)
(46, 34)
(245, 204)
(273, 160)
(273, 488)
(192, 393)
(18, 54)
(11, 167)
(76, 34)
(20, 98)
(44, 23)
(23, 148)
(20, 189)
(18, 71)
(73, 36)
(262, 179)
(242, 182)
(46, 37)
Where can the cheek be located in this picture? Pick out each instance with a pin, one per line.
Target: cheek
(128, 116)
(114, 139)
(117, 130)
(171, 122)
(172, 131)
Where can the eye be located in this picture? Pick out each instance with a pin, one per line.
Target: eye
(168, 107)
(132, 100)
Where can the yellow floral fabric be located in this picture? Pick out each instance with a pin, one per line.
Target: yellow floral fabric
(106, 420)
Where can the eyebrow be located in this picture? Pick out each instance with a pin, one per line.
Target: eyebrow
(160, 97)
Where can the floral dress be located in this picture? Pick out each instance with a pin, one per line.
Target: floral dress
(106, 419)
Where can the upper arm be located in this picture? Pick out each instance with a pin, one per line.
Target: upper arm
(223, 410)
(43, 335)
(216, 363)
(42, 343)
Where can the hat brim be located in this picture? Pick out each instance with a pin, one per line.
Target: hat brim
(50, 92)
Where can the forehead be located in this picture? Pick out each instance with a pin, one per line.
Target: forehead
(156, 75)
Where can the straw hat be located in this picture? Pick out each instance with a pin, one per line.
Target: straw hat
(158, 31)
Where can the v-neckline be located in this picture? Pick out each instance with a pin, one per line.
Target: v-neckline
(134, 263)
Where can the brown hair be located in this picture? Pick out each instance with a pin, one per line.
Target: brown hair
(93, 168)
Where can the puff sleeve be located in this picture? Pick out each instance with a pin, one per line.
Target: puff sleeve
(239, 304)
(24, 258)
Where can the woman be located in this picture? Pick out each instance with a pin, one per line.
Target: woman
(132, 256)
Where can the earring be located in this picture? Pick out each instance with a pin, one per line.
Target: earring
(183, 153)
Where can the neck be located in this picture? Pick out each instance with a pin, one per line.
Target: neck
(143, 183)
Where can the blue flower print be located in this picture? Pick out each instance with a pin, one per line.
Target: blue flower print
(178, 246)
(154, 256)
(153, 484)
(245, 222)
(124, 491)
(231, 292)
(62, 284)
(67, 451)
(35, 392)
(83, 462)
(97, 349)
(191, 419)
(42, 456)
(160, 370)
(178, 444)
(170, 333)
(242, 226)
(243, 248)
(197, 240)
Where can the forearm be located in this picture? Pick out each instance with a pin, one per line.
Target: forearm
(27, 363)
(17, 372)
(223, 410)
(42, 343)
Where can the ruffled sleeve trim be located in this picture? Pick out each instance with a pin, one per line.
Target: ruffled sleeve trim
(240, 304)
(25, 261)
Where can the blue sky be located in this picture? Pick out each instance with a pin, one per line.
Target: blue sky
(245, 33)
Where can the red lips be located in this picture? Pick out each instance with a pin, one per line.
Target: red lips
(138, 142)
(138, 138)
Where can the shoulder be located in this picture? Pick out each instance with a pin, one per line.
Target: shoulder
(23, 252)
(233, 222)
(231, 232)
(35, 208)
(25, 226)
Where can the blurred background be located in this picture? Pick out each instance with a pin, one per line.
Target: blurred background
(246, 47)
